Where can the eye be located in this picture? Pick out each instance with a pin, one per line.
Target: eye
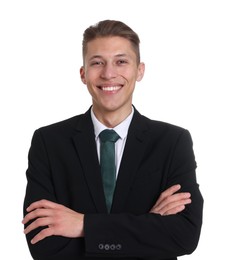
(96, 63)
(121, 62)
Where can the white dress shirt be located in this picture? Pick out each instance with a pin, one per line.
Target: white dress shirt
(121, 130)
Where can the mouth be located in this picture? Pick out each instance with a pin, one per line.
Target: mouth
(111, 88)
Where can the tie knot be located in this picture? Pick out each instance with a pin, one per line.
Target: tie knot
(108, 135)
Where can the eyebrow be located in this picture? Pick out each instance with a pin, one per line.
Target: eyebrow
(101, 57)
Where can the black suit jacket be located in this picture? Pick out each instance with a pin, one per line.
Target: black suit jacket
(64, 168)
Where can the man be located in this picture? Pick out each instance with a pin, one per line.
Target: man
(155, 210)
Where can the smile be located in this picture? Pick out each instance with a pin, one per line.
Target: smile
(110, 88)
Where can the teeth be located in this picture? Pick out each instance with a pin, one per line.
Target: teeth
(111, 88)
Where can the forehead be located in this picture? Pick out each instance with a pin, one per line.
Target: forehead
(109, 46)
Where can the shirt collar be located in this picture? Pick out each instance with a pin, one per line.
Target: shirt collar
(121, 129)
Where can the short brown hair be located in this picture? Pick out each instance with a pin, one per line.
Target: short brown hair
(108, 28)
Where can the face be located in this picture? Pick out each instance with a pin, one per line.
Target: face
(110, 72)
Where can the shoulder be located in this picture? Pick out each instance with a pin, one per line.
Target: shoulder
(61, 125)
(66, 127)
(163, 126)
(60, 133)
(157, 125)
(159, 129)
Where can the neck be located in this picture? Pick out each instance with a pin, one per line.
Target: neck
(111, 118)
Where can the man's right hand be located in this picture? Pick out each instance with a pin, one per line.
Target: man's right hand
(170, 202)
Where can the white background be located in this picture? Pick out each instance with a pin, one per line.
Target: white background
(183, 47)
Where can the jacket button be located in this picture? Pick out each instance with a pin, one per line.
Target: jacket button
(118, 247)
(112, 247)
(107, 247)
(101, 246)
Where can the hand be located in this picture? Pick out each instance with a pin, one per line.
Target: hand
(58, 219)
(170, 203)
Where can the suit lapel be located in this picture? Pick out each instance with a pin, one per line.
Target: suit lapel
(133, 153)
(84, 141)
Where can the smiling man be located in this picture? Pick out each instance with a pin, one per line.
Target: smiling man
(111, 69)
(111, 183)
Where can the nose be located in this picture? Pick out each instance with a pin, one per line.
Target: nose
(108, 71)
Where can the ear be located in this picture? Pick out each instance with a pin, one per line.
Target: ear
(141, 71)
(82, 75)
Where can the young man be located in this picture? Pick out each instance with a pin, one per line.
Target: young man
(155, 209)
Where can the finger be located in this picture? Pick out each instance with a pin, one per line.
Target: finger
(42, 204)
(176, 208)
(47, 232)
(37, 213)
(176, 204)
(168, 192)
(174, 211)
(40, 222)
(178, 197)
(171, 190)
(172, 207)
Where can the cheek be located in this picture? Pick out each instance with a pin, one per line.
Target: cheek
(92, 89)
(130, 75)
(91, 77)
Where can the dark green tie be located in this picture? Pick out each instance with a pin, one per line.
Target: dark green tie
(107, 162)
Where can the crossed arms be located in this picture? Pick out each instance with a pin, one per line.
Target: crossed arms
(171, 227)
(62, 221)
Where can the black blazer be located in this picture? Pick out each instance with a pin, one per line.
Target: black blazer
(64, 168)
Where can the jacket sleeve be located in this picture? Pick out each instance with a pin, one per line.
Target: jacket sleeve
(40, 186)
(152, 235)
